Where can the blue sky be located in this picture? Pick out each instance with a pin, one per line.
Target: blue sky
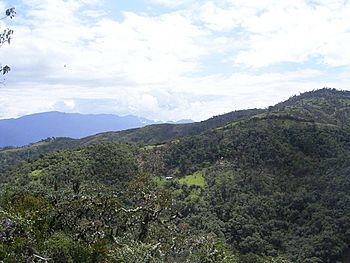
(171, 60)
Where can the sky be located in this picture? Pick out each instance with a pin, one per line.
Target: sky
(170, 60)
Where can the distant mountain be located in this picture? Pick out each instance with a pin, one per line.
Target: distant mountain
(32, 128)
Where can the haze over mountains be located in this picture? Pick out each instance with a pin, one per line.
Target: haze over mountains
(35, 127)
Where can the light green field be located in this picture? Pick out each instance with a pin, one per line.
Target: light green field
(151, 147)
(36, 173)
(194, 179)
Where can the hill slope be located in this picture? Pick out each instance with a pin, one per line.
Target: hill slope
(277, 182)
(151, 134)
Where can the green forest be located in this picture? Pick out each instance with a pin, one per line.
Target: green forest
(251, 186)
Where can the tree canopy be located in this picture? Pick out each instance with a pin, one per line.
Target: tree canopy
(269, 187)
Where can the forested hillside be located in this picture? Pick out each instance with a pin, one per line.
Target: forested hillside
(152, 134)
(250, 186)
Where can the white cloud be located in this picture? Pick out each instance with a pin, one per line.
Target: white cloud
(284, 31)
(171, 3)
(140, 48)
(68, 55)
(149, 49)
(69, 104)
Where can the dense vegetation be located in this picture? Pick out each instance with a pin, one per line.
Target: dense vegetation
(152, 134)
(262, 186)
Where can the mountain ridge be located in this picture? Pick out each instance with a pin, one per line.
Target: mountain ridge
(34, 127)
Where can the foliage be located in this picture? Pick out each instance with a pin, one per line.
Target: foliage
(193, 179)
(269, 187)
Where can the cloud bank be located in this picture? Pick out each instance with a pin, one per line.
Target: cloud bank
(192, 59)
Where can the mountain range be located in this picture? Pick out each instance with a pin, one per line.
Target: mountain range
(32, 128)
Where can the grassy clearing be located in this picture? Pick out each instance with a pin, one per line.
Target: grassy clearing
(194, 179)
(151, 147)
(36, 173)
(228, 126)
